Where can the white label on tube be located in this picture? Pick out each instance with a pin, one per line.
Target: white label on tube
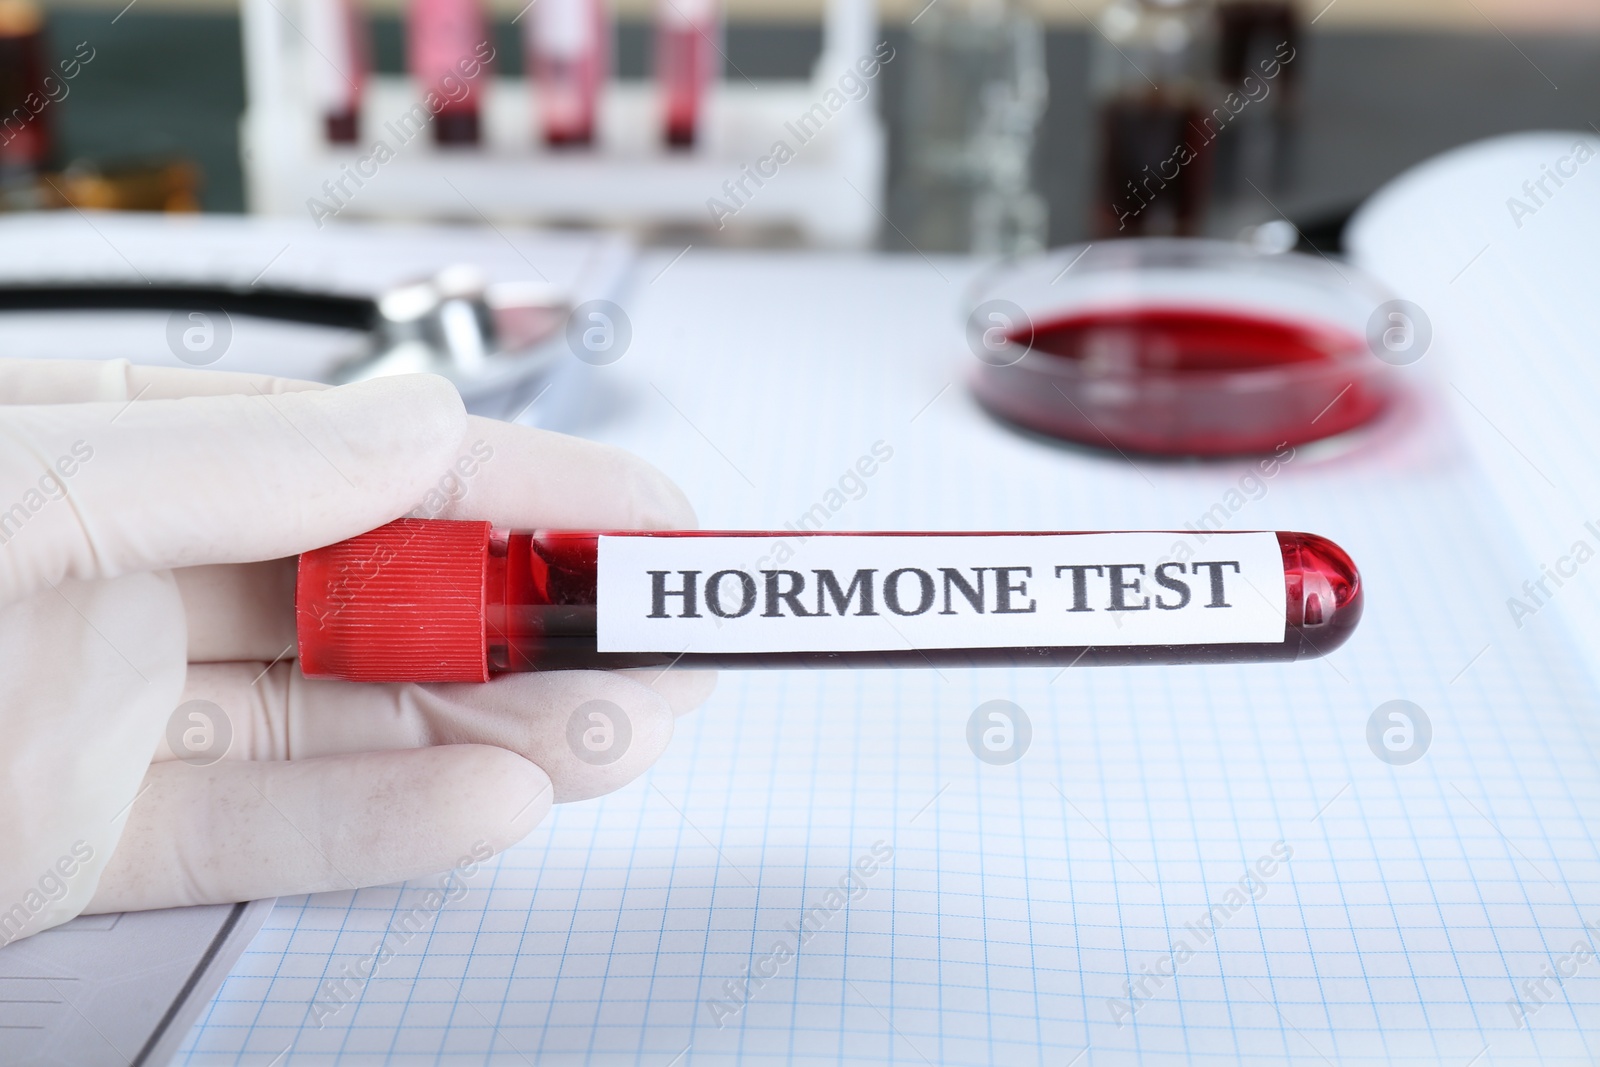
(732, 594)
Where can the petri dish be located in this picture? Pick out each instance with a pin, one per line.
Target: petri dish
(1181, 347)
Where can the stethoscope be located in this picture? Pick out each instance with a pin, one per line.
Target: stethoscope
(487, 338)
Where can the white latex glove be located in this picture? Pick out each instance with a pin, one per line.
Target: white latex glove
(149, 521)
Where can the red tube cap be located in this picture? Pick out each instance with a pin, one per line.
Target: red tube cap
(403, 601)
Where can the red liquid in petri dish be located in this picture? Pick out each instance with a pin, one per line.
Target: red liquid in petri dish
(1175, 381)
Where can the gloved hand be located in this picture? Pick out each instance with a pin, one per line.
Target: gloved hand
(149, 523)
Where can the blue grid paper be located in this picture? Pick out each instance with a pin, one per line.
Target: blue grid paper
(1019, 899)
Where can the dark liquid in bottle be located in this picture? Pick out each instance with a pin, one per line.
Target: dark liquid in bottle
(1258, 48)
(1256, 32)
(1155, 166)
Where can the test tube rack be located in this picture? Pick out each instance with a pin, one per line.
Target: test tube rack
(830, 192)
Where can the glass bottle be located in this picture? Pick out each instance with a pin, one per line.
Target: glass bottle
(1258, 43)
(976, 88)
(1152, 77)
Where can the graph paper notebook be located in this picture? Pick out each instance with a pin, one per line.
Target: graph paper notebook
(1192, 863)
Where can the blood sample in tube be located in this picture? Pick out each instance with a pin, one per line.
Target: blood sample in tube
(437, 601)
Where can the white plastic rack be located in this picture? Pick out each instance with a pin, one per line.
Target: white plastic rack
(830, 192)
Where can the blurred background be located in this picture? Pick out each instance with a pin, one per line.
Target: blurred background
(155, 116)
